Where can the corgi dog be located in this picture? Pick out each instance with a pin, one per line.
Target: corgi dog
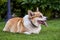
(30, 23)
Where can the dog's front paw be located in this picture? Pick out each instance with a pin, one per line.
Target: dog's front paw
(27, 33)
(36, 32)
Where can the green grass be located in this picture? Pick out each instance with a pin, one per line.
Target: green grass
(52, 32)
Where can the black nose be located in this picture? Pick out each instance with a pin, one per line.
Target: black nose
(46, 17)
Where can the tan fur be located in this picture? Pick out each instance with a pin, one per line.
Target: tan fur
(12, 24)
(36, 14)
(24, 25)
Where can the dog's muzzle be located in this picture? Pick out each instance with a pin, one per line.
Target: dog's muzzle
(42, 22)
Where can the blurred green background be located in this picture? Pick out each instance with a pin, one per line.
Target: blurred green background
(50, 8)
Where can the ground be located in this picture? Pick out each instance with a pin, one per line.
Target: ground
(52, 32)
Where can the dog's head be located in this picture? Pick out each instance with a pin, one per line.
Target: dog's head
(37, 18)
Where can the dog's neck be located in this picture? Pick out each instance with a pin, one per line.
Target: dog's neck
(28, 21)
(32, 23)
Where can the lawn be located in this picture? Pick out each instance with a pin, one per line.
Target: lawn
(52, 32)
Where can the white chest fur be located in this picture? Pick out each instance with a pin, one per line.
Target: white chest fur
(30, 28)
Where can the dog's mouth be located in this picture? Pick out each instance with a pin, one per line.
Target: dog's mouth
(42, 22)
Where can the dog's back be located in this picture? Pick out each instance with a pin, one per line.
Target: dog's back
(14, 25)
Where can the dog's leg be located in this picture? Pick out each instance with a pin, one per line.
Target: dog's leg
(13, 29)
(19, 27)
(37, 30)
(6, 28)
(27, 33)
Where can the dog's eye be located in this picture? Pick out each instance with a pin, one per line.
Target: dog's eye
(40, 16)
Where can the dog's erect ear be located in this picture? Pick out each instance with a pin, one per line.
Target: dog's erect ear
(37, 9)
(30, 13)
